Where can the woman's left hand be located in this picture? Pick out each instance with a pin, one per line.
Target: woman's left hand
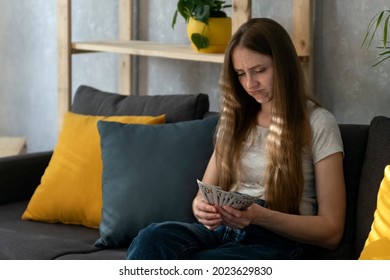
(238, 219)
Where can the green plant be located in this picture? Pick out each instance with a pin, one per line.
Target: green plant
(200, 10)
(380, 18)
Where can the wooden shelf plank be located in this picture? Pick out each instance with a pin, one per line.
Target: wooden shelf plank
(146, 48)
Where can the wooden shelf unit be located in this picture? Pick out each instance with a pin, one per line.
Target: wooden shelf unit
(126, 47)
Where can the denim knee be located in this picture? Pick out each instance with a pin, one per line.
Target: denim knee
(141, 244)
(148, 233)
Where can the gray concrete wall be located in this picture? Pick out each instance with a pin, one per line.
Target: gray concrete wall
(345, 82)
(28, 63)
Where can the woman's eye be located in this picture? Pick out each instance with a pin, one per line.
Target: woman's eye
(240, 74)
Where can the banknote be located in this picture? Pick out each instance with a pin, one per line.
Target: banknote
(216, 196)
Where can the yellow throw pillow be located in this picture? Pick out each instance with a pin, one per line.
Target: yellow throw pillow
(377, 246)
(70, 190)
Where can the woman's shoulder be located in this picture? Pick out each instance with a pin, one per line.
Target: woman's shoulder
(325, 132)
(320, 116)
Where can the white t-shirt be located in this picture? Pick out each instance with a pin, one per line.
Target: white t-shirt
(326, 141)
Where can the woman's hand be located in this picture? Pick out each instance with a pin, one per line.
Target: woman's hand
(238, 219)
(206, 214)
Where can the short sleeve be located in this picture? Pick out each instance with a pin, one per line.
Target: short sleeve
(326, 134)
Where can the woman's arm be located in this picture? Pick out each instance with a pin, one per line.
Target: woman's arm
(324, 230)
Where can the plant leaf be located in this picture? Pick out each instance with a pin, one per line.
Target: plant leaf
(385, 30)
(378, 22)
(200, 41)
(380, 61)
(374, 23)
(202, 13)
(174, 19)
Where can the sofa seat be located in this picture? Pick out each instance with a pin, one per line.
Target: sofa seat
(20, 239)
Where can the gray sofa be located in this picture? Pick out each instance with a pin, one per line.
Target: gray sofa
(366, 154)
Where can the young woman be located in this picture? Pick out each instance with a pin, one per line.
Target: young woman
(273, 141)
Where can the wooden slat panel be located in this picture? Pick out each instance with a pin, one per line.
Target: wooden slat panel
(303, 36)
(64, 68)
(242, 11)
(125, 33)
(302, 26)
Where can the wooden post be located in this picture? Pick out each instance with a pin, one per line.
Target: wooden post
(64, 67)
(241, 12)
(125, 33)
(303, 36)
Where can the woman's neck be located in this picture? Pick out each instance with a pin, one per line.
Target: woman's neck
(265, 115)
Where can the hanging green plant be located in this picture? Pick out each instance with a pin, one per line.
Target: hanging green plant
(381, 18)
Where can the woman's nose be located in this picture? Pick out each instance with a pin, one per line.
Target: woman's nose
(251, 82)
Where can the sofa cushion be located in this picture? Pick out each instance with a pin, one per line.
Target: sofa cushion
(28, 240)
(149, 174)
(70, 189)
(180, 107)
(377, 246)
(376, 159)
(99, 254)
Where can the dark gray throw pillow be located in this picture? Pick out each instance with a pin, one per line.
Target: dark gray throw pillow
(178, 107)
(149, 174)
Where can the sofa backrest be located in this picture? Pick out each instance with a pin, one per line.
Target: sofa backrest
(377, 157)
(354, 141)
(179, 107)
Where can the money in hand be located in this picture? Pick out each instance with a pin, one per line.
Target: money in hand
(214, 195)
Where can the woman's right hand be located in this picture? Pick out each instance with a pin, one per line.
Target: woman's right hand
(206, 214)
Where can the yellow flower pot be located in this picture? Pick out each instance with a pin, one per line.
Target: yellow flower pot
(218, 31)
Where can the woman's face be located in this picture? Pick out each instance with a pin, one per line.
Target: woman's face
(255, 72)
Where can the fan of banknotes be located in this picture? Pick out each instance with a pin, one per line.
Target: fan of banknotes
(216, 196)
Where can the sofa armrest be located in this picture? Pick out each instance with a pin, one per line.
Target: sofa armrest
(20, 175)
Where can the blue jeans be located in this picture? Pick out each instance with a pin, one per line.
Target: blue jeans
(186, 241)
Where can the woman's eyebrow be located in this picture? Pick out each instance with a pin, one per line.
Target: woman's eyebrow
(257, 66)
(250, 68)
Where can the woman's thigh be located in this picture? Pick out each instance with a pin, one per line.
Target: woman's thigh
(171, 240)
(253, 242)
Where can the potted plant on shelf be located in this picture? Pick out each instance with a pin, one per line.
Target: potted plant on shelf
(375, 23)
(208, 26)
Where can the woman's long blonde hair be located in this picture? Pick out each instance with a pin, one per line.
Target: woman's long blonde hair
(289, 132)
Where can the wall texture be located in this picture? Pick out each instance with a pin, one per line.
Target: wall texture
(28, 64)
(345, 82)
